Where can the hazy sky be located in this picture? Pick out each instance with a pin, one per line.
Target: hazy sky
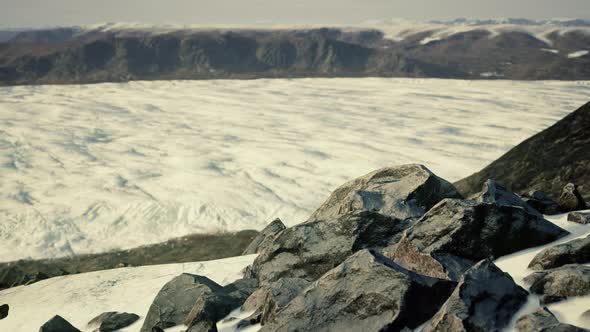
(19, 13)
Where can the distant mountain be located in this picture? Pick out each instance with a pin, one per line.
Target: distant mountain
(509, 49)
(546, 161)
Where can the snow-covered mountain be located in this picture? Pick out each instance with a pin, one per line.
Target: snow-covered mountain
(90, 168)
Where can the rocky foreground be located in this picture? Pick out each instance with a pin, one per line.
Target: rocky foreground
(394, 250)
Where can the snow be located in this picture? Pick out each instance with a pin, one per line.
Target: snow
(91, 168)
(577, 54)
(79, 298)
(550, 50)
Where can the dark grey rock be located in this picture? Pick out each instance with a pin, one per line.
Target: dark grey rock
(455, 234)
(571, 199)
(112, 321)
(579, 217)
(560, 283)
(494, 193)
(58, 324)
(543, 320)
(572, 252)
(401, 192)
(485, 299)
(175, 300)
(539, 201)
(212, 307)
(265, 237)
(267, 300)
(4, 311)
(367, 292)
(310, 249)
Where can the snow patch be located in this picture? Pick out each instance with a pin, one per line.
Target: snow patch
(577, 54)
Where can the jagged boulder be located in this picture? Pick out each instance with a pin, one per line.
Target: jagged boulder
(310, 249)
(571, 199)
(494, 193)
(367, 292)
(484, 300)
(579, 217)
(539, 201)
(401, 192)
(4, 311)
(543, 320)
(572, 252)
(265, 237)
(175, 300)
(560, 283)
(112, 321)
(58, 324)
(266, 301)
(455, 234)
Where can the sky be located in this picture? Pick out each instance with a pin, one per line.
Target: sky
(39, 13)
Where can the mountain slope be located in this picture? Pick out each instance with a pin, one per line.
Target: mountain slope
(546, 161)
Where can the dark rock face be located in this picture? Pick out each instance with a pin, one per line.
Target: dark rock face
(543, 320)
(4, 311)
(367, 292)
(572, 252)
(176, 299)
(539, 201)
(266, 301)
(571, 199)
(485, 300)
(557, 284)
(579, 217)
(401, 192)
(494, 193)
(113, 321)
(265, 237)
(545, 162)
(455, 234)
(58, 324)
(310, 249)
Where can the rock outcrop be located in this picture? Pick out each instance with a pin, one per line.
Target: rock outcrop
(541, 202)
(4, 309)
(560, 283)
(265, 237)
(367, 292)
(112, 321)
(58, 324)
(579, 217)
(543, 320)
(571, 199)
(572, 252)
(484, 300)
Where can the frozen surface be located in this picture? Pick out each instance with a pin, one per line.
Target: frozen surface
(90, 168)
(79, 298)
(577, 54)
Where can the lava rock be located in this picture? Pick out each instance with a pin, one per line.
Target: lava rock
(58, 324)
(401, 192)
(543, 320)
(579, 217)
(539, 201)
(557, 284)
(4, 311)
(266, 301)
(310, 249)
(572, 252)
(265, 237)
(175, 300)
(571, 199)
(367, 292)
(485, 299)
(455, 234)
(112, 321)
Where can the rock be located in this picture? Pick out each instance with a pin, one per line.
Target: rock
(267, 300)
(310, 249)
(579, 217)
(175, 300)
(572, 252)
(543, 320)
(157, 329)
(455, 234)
(539, 201)
(367, 292)
(210, 308)
(485, 299)
(494, 193)
(400, 192)
(265, 237)
(570, 199)
(4, 311)
(559, 283)
(112, 321)
(58, 324)
(585, 317)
